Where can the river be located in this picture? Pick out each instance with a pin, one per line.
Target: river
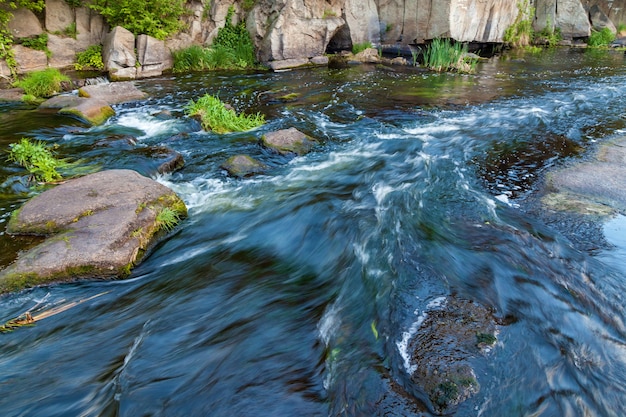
(290, 293)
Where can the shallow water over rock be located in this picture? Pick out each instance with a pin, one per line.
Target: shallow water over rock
(291, 292)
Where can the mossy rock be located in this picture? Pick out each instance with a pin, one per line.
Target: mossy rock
(243, 166)
(97, 226)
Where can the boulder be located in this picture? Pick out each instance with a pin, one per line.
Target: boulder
(288, 141)
(113, 93)
(599, 20)
(24, 24)
(153, 56)
(97, 226)
(454, 333)
(572, 19)
(91, 110)
(118, 54)
(59, 15)
(243, 166)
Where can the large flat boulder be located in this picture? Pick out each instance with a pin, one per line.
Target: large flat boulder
(97, 226)
(113, 93)
(91, 110)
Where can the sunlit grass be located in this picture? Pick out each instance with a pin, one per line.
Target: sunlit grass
(445, 55)
(215, 116)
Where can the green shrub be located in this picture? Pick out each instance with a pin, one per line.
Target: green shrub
(520, 33)
(549, 35)
(360, 47)
(232, 48)
(91, 58)
(214, 116)
(237, 39)
(157, 18)
(445, 55)
(37, 158)
(42, 83)
(601, 38)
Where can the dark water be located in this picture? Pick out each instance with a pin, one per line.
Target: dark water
(294, 293)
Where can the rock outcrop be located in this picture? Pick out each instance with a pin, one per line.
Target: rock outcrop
(97, 226)
(288, 33)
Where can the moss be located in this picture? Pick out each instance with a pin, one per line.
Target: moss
(486, 339)
(289, 97)
(12, 282)
(97, 119)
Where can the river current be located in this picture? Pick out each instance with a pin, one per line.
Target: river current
(294, 292)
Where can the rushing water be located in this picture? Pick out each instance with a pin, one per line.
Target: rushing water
(291, 293)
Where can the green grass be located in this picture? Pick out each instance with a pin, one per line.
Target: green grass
(168, 219)
(44, 83)
(214, 116)
(37, 158)
(444, 55)
(360, 47)
(601, 38)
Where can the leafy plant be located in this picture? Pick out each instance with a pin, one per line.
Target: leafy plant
(91, 58)
(550, 35)
(520, 33)
(248, 5)
(237, 39)
(157, 18)
(215, 116)
(42, 83)
(360, 47)
(445, 55)
(601, 38)
(39, 43)
(37, 158)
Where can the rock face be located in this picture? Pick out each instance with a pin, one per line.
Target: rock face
(97, 226)
(288, 33)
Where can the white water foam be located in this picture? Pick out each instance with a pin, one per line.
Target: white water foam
(148, 124)
(403, 344)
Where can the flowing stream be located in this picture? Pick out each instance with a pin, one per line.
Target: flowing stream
(291, 293)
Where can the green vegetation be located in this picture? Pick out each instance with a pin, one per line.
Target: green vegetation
(601, 38)
(167, 219)
(248, 5)
(37, 158)
(6, 38)
(91, 58)
(445, 55)
(157, 18)
(328, 14)
(39, 43)
(215, 116)
(232, 48)
(550, 36)
(360, 47)
(42, 83)
(520, 33)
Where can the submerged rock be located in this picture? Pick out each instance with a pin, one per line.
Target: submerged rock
(96, 226)
(243, 166)
(288, 141)
(595, 187)
(91, 110)
(443, 349)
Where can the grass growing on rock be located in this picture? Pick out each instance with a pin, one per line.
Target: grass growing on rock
(41, 84)
(215, 116)
(601, 38)
(445, 55)
(167, 219)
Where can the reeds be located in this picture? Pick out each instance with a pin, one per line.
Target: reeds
(444, 55)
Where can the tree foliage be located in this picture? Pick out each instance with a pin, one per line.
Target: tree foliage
(157, 18)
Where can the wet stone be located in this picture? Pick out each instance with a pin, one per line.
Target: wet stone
(288, 141)
(243, 166)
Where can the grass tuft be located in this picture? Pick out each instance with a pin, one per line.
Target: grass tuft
(44, 83)
(167, 219)
(214, 116)
(445, 55)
